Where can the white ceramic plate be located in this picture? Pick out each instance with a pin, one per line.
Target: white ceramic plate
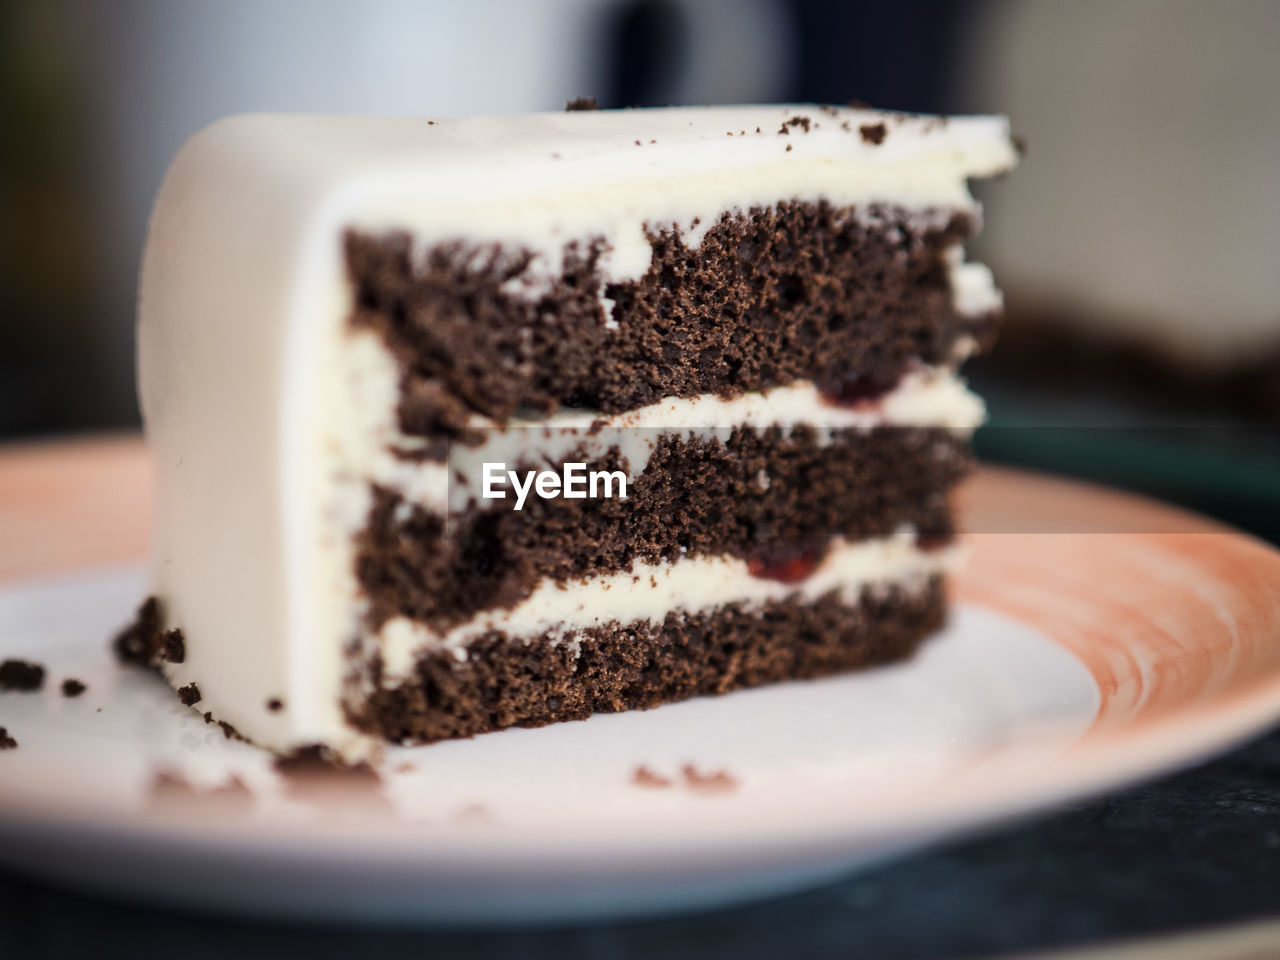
(1075, 661)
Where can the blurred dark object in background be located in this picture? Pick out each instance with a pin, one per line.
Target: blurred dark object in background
(900, 55)
(666, 52)
(651, 48)
(51, 374)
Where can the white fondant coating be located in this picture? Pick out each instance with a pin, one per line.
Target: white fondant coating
(242, 328)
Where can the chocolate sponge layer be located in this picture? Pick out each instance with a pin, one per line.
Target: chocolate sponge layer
(765, 496)
(529, 682)
(797, 291)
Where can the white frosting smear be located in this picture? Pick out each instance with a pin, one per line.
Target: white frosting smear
(648, 591)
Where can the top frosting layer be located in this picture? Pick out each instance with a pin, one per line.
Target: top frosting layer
(541, 180)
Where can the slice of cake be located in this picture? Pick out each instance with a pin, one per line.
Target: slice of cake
(473, 423)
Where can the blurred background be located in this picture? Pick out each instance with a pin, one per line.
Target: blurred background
(1138, 244)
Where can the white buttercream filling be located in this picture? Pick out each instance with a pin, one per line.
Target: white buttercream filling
(649, 591)
(928, 397)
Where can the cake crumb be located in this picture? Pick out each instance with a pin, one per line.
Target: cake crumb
(275, 705)
(71, 687)
(144, 643)
(873, 133)
(173, 647)
(718, 782)
(7, 742)
(1019, 144)
(189, 695)
(804, 123)
(21, 675)
(788, 148)
(581, 103)
(134, 644)
(406, 768)
(228, 731)
(644, 777)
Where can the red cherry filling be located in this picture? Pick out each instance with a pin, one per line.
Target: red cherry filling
(787, 563)
(861, 388)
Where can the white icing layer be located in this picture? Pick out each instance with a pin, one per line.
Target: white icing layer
(924, 398)
(541, 181)
(243, 314)
(648, 592)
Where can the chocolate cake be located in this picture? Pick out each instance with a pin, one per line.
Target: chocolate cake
(473, 423)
